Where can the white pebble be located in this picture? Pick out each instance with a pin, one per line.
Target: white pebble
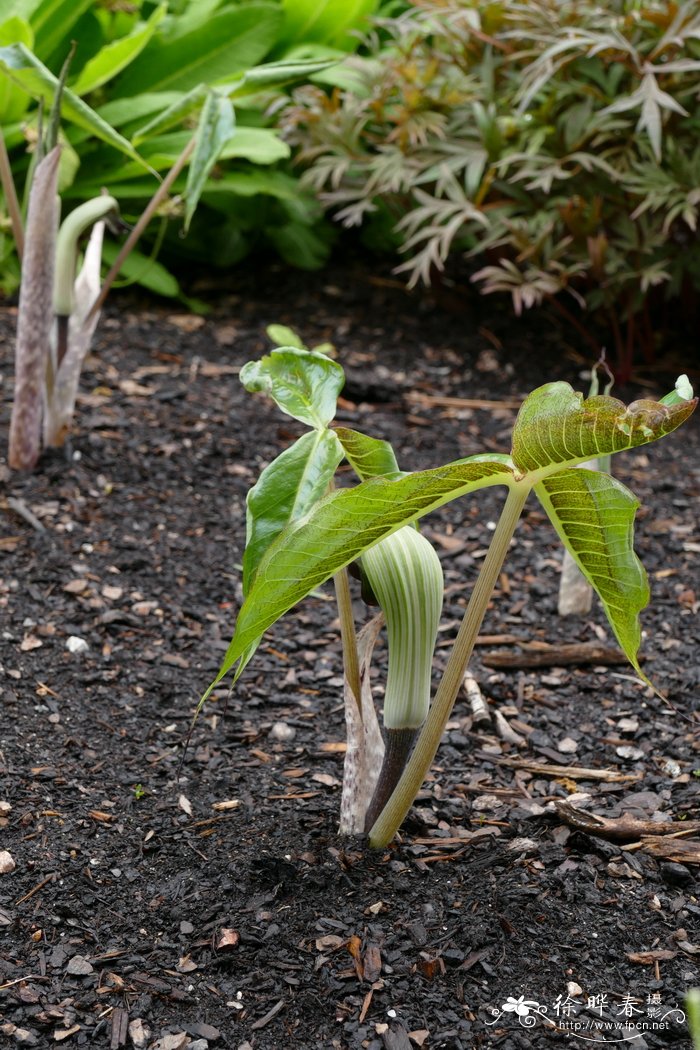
(283, 732)
(7, 864)
(76, 645)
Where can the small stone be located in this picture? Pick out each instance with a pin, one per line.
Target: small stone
(574, 989)
(283, 732)
(676, 874)
(138, 1033)
(567, 745)
(204, 1031)
(76, 646)
(5, 808)
(186, 927)
(487, 803)
(79, 966)
(198, 1044)
(629, 752)
(628, 725)
(7, 863)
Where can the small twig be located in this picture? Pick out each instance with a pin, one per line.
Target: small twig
(257, 1025)
(148, 213)
(506, 731)
(11, 199)
(21, 508)
(480, 712)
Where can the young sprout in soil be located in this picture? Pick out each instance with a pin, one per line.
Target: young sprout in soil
(302, 531)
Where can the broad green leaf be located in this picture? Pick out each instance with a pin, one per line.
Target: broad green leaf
(338, 530)
(369, 457)
(139, 269)
(23, 68)
(556, 427)
(115, 57)
(259, 145)
(286, 490)
(216, 126)
(302, 383)
(52, 21)
(13, 101)
(325, 21)
(226, 44)
(23, 9)
(593, 514)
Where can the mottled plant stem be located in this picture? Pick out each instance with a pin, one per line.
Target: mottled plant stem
(348, 635)
(428, 742)
(398, 744)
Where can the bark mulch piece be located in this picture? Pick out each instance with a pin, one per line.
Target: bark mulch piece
(144, 905)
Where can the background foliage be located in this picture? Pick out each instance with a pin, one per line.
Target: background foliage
(137, 79)
(554, 141)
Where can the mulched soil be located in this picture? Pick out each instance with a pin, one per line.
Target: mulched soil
(214, 905)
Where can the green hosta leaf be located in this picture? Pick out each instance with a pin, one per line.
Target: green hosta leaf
(115, 57)
(228, 43)
(215, 128)
(286, 490)
(337, 531)
(304, 384)
(21, 66)
(594, 517)
(369, 457)
(325, 21)
(556, 427)
(139, 269)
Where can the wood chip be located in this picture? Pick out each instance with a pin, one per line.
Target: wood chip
(574, 772)
(575, 655)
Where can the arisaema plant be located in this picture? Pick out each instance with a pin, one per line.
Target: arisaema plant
(302, 531)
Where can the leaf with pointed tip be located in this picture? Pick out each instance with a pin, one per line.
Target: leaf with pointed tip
(180, 107)
(216, 126)
(116, 56)
(337, 531)
(23, 68)
(302, 383)
(556, 427)
(593, 514)
(276, 74)
(286, 490)
(369, 457)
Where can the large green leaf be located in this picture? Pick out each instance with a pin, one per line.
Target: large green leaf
(302, 383)
(325, 21)
(593, 514)
(13, 101)
(139, 269)
(52, 21)
(337, 531)
(115, 57)
(286, 490)
(226, 44)
(556, 427)
(183, 103)
(369, 457)
(215, 128)
(23, 68)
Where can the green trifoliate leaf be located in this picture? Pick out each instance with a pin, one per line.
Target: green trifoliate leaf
(406, 577)
(303, 384)
(594, 517)
(287, 489)
(338, 530)
(215, 128)
(556, 427)
(369, 457)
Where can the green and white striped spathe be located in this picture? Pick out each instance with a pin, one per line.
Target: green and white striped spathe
(406, 576)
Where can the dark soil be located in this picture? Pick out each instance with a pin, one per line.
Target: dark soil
(219, 907)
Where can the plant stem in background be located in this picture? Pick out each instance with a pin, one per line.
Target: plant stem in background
(10, 191)
(348, 635)
(424, 752)
(148, 213)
